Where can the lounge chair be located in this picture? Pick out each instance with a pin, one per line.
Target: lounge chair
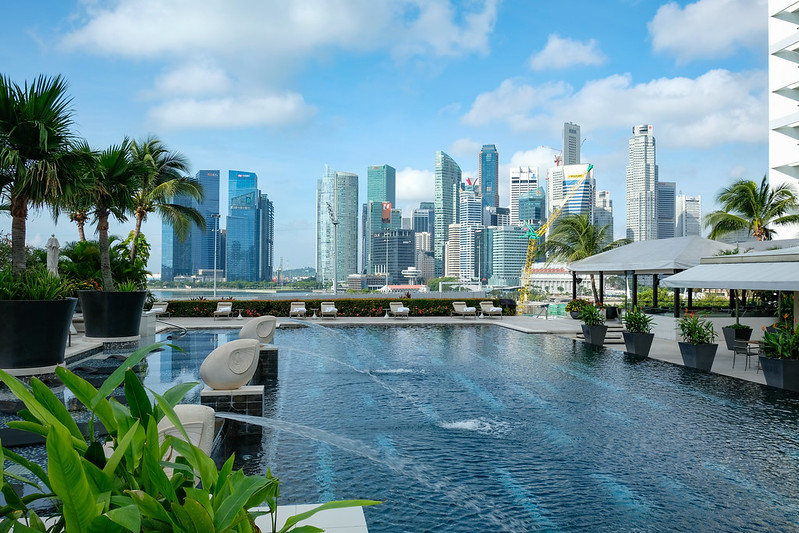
(297, 309)
(398, 310)
(328, 309)
(224, 309)
(461, 309)
(261, 329)
(487, 308)
(158, 309)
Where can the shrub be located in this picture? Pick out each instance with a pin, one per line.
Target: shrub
(576, 305)
(636, 321)
(696, 329)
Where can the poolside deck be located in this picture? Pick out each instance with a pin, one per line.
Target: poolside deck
(662, 349)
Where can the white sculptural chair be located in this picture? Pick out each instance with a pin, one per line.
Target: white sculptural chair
(231, 365)
(261, 329)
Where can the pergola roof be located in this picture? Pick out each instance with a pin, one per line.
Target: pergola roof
(661, 256)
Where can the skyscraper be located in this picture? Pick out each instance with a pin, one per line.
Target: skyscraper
(642, 180)
(489, 176)
(380, 190)
(510, 254)
(175, 254)
(667, 193)
(522, 180)
(533, 207)
(571, 144)
(603, 214)
(243, 226)
(447, 204)
(424, 218)
(471, 218)
(568, 180)
(336, 201)
(266, 255)
(689, 215)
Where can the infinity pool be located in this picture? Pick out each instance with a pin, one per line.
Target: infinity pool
(482, 428)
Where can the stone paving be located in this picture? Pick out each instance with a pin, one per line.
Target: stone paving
(662, 349)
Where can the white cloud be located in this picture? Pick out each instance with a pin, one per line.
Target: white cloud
(464, 148)
(194, 80)
(709, 29)
(271, 110)
(717, 107)
(414, 186)
(560, 53)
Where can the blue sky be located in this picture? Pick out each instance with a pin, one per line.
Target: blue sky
(283, 88)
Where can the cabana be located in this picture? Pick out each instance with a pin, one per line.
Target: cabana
(654, 257)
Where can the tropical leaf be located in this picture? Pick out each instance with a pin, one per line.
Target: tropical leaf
(291, 521)
(69, 480)
(51, 402)
(138, 402)
(87, 395)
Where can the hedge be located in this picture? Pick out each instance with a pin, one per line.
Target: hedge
(373, 307)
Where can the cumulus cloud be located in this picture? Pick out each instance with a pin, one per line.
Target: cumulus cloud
(717, 107)
(464, 148)
(194, 80)
(271, 110)
(560, 53)
(709, 29)
(414, 186)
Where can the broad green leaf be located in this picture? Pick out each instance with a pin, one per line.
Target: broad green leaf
(201, 496)
(138, 402)
(307, 529)
(95, 454)
(33, 468)
(35, 522)
(103, 524)
(128, 517)
(241, 491)
(2, 464)
(193, 516)
(51, 402)
(12, 498)
(119, 452)
(24, 394)
(22, 528)
(85, 393)
(99, 481)
(34, 427)
(69, 480)
(117, 376)
(152, 464)
(224, 473)
(329, 505)
(149, 507)
(174, 395)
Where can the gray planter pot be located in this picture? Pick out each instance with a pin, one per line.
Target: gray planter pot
(112, 315)
(698, 356)
(781, 373)
(594, 334)
(34, 334)
(575, 314)
(638, 344)
(733, 334)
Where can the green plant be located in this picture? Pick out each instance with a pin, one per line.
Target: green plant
(591, 315)
(34, 284)
(738, 325)
(576, 305)
(636, 321)
(127, 286)
(782, 343)
(696, 329)
(122, 485)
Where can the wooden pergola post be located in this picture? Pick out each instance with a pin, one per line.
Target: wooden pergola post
(574, 285)
(655, 282)
(635, 289)
(602, 288)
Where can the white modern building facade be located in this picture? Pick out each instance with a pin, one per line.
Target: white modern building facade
(522, 180)
(571, 144)
(567, 179)
(603, 214)
(509, 255)
(336, 225)
(447, 204)
(783, 67)
(642, 184)
(688, 215)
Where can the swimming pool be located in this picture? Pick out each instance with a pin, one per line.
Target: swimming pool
(482, 428)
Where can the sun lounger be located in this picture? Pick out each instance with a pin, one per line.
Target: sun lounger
(224, 309)
(328, 309)
(488, 309)
(461, 309)
(297, 310)
(398, 310)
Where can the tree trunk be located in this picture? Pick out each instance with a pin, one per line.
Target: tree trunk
(81, 233)
(105, 253)
(19, 214)
(593, 288)
(136, 231)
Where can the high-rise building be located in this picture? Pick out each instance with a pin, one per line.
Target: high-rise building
(689, 215)
(452, 255)
(470, 220)
(783, 34)
(533, 207)
(571, 144)
(489, 176)
(447, 203)
(336, 225)
(266, 255)
(175, 254)
(510, 254)
(496, 216)
(575, 182)
(603, 214)
(642, 186)
(484, 253)
(380, 200)
(243, 227)
(394, 251)
(667, 194)
(522, 180)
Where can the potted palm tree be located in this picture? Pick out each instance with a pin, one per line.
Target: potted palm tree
(594, 328)
(697, 347)
(779, 357)
(638, 337)
(38, 166)
(114, 312)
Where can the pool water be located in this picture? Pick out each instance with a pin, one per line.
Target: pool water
(483, 428)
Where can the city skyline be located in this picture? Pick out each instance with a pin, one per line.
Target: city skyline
(255, 85)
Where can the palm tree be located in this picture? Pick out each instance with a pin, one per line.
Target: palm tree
(36, 152)
(163, 180)
(115, 176)
(575, 237)
(744, 205)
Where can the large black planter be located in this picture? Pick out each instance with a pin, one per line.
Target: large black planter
(33, 334)
(638, 344)
(594, 334)
(735, 334)
(611, 312)
(575, 314)
(111, 315)
(781, 373)
(698, 356)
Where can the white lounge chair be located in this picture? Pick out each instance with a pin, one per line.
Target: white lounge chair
(261, 329)
(461, 309)
(487, 308)
(297, 309)
(328, 309)
(158, 309)
(398, 310)
(224, 309)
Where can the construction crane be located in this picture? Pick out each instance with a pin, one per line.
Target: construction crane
(534, 236)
